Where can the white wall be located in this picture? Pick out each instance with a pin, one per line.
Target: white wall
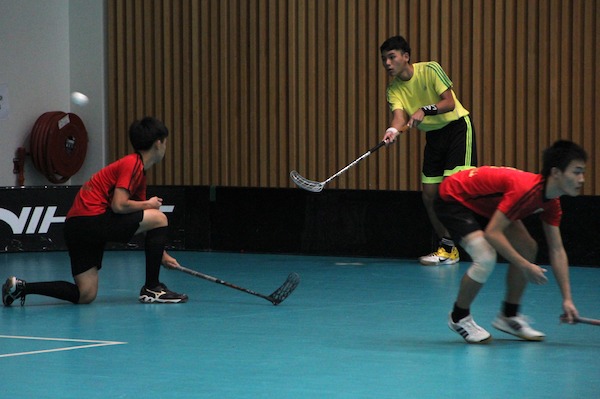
(87, 67)
(49, 48)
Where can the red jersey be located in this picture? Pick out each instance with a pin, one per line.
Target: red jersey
(517, 194)
(95, 196)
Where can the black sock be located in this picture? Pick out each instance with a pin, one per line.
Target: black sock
(510, 309)
(55, 289)
(459, 313)
(154, 248)
(447, 244)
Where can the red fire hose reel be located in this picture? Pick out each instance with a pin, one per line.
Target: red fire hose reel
(58, 145)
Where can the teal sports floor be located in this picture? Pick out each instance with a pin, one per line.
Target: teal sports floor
(354, 328)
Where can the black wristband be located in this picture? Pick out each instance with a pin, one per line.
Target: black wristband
(430, 109)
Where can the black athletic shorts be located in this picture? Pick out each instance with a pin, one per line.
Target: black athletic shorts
(449, 150)
(86, 236)
(458, 219)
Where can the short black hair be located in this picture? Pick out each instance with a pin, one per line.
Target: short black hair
(560, 155)
(395, 43)
(144, 132)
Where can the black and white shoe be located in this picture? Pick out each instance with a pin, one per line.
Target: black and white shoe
(469, 330)
(161, 294)
(518, 326)
(12, 289)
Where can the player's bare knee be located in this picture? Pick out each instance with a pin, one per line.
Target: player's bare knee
(86, 297)
(155, 218)
(484, 259)
(162, 220)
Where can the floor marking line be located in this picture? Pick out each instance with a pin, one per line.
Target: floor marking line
(60, 339)
(91, 344)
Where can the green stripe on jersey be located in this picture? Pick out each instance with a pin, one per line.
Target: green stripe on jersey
(440, 72)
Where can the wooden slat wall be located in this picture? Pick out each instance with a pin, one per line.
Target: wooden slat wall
(252, 89)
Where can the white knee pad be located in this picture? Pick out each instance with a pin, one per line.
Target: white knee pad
(484, 259)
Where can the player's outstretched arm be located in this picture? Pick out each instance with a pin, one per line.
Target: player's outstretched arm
(560, 267)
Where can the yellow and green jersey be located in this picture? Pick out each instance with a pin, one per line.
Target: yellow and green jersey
(424, 88)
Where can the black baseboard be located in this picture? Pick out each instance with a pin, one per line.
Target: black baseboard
(335, 222)
(261, 220)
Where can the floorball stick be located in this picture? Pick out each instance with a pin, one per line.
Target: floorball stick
(584, 320)
(316, 186)
(275, 298)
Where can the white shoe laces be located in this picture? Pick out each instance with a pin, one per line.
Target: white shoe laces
(470, 324)
(522, 319)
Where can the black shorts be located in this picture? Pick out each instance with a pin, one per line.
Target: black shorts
(86, 236)
(458, 219)
(449, 150)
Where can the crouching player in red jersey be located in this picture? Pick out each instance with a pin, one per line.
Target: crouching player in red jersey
(505, 196)
(112, 207)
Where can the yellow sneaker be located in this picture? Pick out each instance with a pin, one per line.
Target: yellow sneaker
(440, 257)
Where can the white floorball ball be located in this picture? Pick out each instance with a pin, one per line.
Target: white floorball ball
(79, 98)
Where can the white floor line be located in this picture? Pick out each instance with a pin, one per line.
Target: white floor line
(89, 344)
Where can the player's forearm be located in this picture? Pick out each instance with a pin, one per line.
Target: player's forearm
(398, 120)
(560, 268)
(446, 104)
(130, 206)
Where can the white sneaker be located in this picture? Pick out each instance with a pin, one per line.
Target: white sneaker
(517, 326)
(440, 257)
(469, 330)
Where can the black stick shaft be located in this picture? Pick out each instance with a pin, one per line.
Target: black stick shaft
(587, 320)
(222, 282)
(357, 160)
(584, 320)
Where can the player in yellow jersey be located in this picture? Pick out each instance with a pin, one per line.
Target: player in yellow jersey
(420, 95)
